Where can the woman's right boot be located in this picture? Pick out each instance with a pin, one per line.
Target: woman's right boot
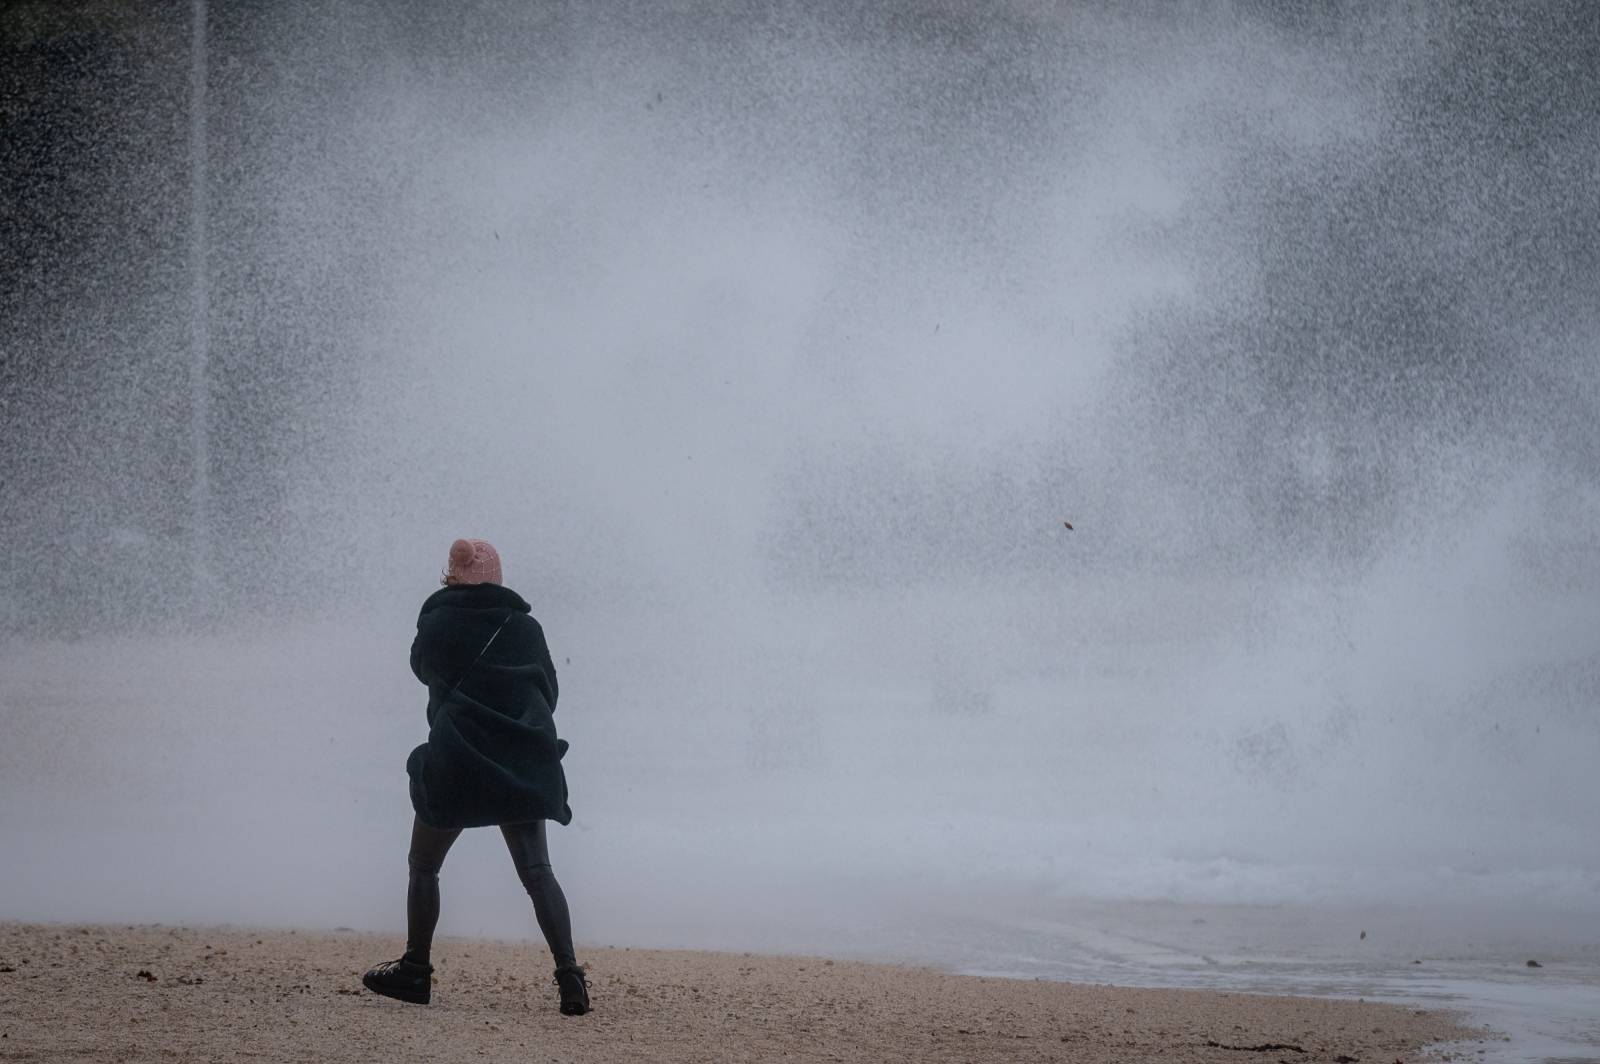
(574, 990)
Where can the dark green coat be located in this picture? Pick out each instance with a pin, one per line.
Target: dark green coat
(492, 755)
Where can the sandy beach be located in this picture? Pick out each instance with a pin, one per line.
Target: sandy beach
(154, 993)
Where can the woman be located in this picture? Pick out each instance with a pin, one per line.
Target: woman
(492, 757)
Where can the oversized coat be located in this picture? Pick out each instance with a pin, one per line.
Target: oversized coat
(492, 755)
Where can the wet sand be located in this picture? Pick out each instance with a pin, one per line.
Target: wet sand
(179, 994)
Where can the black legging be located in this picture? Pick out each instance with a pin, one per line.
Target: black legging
(529, 853)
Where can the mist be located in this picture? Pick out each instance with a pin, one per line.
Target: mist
(776, 350)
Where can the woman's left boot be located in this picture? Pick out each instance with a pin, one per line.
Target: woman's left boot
(402, 980)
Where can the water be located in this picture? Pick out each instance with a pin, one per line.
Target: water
(1473, 963)
(776, 350)
(1469, 960)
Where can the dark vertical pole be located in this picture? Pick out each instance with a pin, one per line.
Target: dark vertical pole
(199, 305)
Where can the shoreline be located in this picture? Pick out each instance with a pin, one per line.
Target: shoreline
(233, 993)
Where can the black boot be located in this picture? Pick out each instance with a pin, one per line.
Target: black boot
(574, 990)
(402, 980)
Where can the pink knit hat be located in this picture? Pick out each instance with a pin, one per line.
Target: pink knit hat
(473, 561)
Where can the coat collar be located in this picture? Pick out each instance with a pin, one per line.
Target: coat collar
(476, 597)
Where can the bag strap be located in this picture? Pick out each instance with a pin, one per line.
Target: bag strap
(484, 651)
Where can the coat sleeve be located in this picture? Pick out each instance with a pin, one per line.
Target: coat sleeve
(419, 652)
(547, 663)
(416, 658)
